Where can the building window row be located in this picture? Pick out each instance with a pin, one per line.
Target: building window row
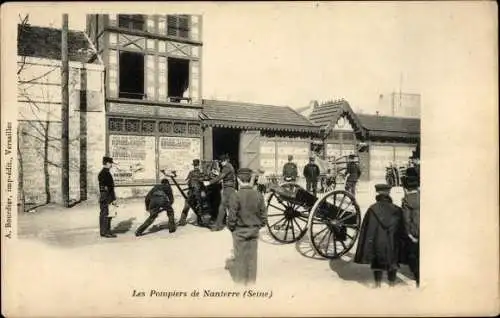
(170, 127)
(132, 82)
(177, 25)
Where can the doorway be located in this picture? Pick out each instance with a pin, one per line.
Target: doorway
(226, 141)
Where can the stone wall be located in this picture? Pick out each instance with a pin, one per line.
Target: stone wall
(39, 130)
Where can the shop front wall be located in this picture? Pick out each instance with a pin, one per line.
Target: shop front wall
(274, 154)
(380, 157)
(177, 154)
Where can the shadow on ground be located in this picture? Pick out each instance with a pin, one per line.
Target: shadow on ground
(123, 226)
(347, 270)
(305, 248)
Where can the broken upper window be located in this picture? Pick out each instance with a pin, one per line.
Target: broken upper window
(131, 75)
(178, 25)
(178, 79)
(131, 21)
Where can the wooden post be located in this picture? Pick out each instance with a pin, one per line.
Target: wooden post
(64, 113)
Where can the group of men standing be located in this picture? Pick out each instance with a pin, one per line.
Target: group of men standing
(312, 173)
(245, 210)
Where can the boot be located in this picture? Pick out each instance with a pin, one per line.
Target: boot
(377, 275)
(109, 232)
(172, 227)
(182, 220)
(391, 277)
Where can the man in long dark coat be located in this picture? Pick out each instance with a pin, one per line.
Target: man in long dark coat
(380, 236)
(106, 197)
(159, 198)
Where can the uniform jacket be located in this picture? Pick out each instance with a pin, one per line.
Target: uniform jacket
(411, 213)
(381, 233)
(227, 176)
(247, 209)
(353, 171)
(290, 170)
(106, 186)
(194, 179)
(311, 171)
(159, 196)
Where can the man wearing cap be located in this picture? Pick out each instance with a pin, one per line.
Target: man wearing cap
(228, 178)
(194, 195)
(311, 173)
(106, 197)
(411, 214)
(380, 236)
(247, 215)
(352, 175)
(159, 198)
(290, 171)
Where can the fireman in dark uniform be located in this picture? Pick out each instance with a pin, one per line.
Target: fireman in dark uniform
(353, 174)
(194, 181)
(290, 172)
(106, 197)
(228, 178)
(311, 173)
(159, 198)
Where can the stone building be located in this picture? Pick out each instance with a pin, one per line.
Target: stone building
(389, 138)
(39, 115)
(153, 94)
(155, 116)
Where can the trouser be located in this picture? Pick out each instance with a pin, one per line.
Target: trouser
(378, 269)
(153, 214)
(104, 219)
(414, 260)
(193, 201)
(244, 265)
(226, 196)
(312, 185)
(350, 186)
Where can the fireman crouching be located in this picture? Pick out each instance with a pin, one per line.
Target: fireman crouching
(159, 198)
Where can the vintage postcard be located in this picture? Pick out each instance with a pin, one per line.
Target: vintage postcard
(249, 159)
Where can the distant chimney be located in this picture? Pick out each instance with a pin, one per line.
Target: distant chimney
(313, 103)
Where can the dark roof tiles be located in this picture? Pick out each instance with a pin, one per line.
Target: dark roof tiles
(222, 111)
(43, 42)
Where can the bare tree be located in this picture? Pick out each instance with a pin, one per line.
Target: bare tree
(39, 127)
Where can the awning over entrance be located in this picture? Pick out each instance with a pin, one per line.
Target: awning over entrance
(255, 117)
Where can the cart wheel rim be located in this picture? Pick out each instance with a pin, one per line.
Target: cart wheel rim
(286, 221)
(334, 224)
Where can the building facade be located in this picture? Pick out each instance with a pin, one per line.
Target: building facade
(39, 115)
(390, 139)
(153, 93)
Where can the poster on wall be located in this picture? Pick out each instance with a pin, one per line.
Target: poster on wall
(177, 153)
(135, 157)
(267, 156)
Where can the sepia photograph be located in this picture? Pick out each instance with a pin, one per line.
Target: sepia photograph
(230, 159)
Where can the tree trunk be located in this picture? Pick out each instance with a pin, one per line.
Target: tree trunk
(48, 198)
(20, 172)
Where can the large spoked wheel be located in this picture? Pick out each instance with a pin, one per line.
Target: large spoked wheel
(334, 224)
(286, 219)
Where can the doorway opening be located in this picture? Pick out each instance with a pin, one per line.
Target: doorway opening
(226, 141)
